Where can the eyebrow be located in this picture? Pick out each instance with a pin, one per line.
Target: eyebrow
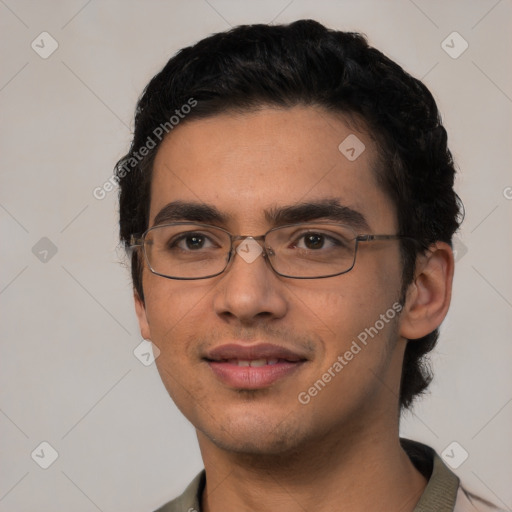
(189, 211)
(325, 209)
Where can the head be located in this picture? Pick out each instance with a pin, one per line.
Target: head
(248, 123)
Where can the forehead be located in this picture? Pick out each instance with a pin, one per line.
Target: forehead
(249, 164)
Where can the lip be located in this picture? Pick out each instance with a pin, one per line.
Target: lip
(252, 352)
(223, 361)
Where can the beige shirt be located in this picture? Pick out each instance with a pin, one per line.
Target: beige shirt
(443, 493)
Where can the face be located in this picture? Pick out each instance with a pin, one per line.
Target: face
(326, 378)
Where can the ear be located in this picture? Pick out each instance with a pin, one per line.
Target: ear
(140, 309)
(428, 296)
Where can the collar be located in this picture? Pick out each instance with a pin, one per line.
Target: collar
(440, 494)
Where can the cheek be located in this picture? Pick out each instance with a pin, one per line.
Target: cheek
(339, 318)
(377, 272)
(173, 308)
(359, 332)
(170, 299)
(346, 305)
(175, 319)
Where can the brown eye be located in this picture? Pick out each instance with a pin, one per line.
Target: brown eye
(191, 242)
(194, 241)
(314, 241)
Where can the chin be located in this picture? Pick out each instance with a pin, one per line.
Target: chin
(261, 444)
(256, 434)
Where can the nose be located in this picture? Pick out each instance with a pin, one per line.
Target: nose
(249, 291)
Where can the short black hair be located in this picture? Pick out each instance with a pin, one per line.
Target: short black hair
(307, 64)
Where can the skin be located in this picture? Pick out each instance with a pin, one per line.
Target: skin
(263, 449)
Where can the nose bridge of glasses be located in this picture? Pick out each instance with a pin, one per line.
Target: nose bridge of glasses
(237, 240)
(249, 247)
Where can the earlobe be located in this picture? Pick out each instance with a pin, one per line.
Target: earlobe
(428, 296)
(140, 309)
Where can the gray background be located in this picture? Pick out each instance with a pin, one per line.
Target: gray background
(68, 372)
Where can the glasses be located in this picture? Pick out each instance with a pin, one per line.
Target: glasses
(185, 250)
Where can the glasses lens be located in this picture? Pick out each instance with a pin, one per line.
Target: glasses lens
(312, 250)
(186, 251)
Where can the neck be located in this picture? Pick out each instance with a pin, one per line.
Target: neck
(360, 472)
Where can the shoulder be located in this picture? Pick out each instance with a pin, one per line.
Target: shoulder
(189, 501)
(444, 491)
(469, 502)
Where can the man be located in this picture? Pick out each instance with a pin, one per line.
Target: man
(288, 198)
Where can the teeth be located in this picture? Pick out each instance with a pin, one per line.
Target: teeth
(254, 362)
(258, 362)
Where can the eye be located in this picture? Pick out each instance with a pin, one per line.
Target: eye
(315, 241)
(191, 242)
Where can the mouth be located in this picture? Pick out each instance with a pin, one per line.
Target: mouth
(254, 366)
